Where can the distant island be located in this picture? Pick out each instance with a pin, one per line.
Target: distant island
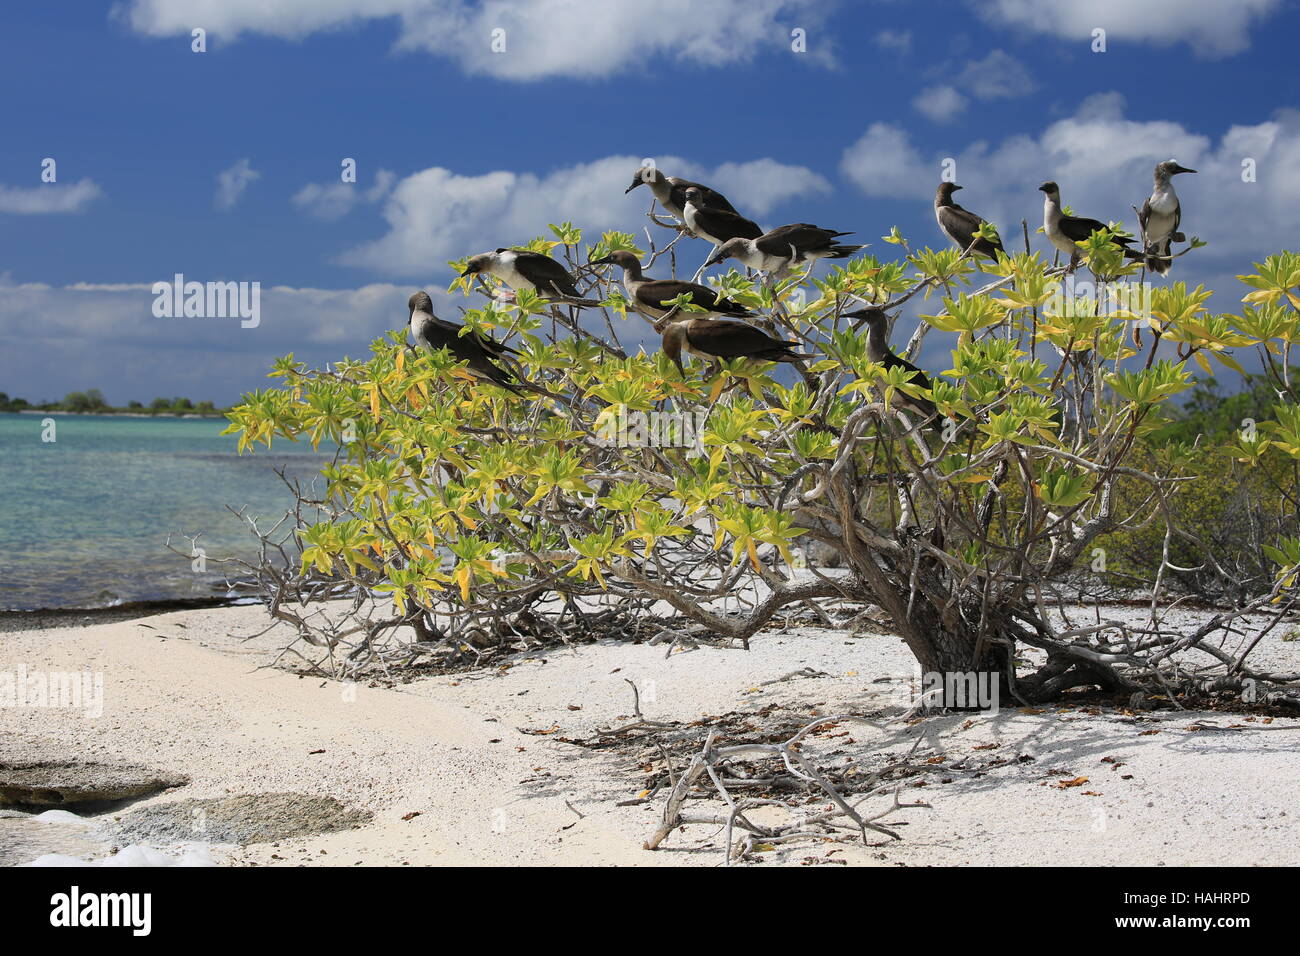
(92, 402)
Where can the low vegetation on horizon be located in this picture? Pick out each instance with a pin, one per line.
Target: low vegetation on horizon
(92, 402)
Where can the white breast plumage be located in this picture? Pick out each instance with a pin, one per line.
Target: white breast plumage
(504, 269)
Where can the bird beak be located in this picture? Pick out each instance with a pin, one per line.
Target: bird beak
(1183, 169)
(713, 260)
(469, 271)
(860, 313)
(603, 260)
(1044, 188)
(635, 183)
(955, 188)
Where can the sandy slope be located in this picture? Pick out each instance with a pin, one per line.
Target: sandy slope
(180, 695)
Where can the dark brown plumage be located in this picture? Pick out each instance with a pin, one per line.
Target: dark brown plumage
(476, 350)
(716, 339)
(878, 351)
(960, 225)
(649, 295)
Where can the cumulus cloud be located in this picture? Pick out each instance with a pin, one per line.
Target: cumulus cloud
(939, 103)
(232, 182)
(1211, 29)
(330, 201)
(998, 76)
(48, 198)
(54, 339)
(900, 40)
(1103, 162)
(436, 214)
(541, 38)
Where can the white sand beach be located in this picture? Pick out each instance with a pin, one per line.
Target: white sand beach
(455, 769)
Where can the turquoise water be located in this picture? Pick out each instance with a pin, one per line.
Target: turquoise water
(84, 519)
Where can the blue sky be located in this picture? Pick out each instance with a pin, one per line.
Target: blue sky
(461, 149)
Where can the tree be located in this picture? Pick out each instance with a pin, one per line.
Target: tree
(557, 516)
(160, 405)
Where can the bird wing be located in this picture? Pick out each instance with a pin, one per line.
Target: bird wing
(730, 340)
(472, 345)
(724, 225)
(656, 292)
(1078, 229)
(920, 378)
(802, 236)
(546, 274)
(711, 197)
(959, 224)
(1145, 214)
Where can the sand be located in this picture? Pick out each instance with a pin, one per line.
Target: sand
(446, 770)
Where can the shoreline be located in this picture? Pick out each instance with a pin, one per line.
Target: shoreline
(487, 767)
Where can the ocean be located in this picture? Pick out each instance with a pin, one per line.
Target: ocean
(84, 519)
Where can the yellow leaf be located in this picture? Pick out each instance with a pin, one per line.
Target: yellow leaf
(374, 402)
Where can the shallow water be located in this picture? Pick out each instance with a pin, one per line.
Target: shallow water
(84, 519)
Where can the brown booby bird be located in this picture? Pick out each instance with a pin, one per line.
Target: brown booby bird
(1160, 217)
(780, 250)
(716, 339)
(716, 225)
(473, 348)
(878, 351)
(649, 295)
(960, 225)
(525, 270)
(671, 191)
(1064, 231)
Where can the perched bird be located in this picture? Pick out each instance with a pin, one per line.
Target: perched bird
(779, 251)
(960, 225)
(477, 350)
(649, 295)
(716, 225)
(1160, 217)
(716, 339)
(1064, 231)
(525, 270)
(671, 191)
(878, 351)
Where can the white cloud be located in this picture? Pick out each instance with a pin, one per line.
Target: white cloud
(232, 182)
(335, 200)
(998, 76)
(54, 339)
(542, 38)
(900, 40)
(883, 162)
(48, 198)
(1213, 28)
(939, 103)
(436, 214)
(1103, 162)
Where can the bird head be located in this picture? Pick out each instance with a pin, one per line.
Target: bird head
(646, 174)
(732, 247)
(1053, 191)
(947, 189)
(621, 258)
(476, 264)
(420, 302)
(693, 195)
(873, 315)
(1170, 167)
